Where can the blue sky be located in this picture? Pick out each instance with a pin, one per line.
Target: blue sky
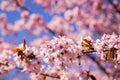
(15, 15)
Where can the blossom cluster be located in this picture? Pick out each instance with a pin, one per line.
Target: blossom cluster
(63, 50)
(108, 47)
(62, 56)
(53, 59)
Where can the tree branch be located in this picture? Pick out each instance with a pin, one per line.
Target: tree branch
(21, 7)
(58, 77)
(4, 64)
(98, 63)
(24, 8)
(114, 6)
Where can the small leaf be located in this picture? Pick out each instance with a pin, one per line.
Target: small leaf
(111, 54)
(16, 50)
(87, 46)
(115, 53)
(42, 77)
(24, 44)
(108, 55)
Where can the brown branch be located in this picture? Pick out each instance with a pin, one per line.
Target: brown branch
(21, 7)
(58, 77)
(114, 6)
(5, 64)
(98, 63)
(48, 29)
(24, 8)
(47, 75)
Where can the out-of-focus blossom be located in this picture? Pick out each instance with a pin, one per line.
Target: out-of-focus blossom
(6, 5)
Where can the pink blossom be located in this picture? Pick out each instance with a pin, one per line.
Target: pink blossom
(107, 42)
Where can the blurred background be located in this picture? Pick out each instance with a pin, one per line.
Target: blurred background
(39, 20)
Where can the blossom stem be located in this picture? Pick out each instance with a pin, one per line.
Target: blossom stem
(58, 77)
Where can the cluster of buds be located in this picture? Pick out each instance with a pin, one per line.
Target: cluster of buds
(22, 55)
(64, 52)
(107, 48)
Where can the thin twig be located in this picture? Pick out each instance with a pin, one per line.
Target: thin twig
(24, 8)
(114, 6)
(58, 77)
(98, 63)
(21, 7)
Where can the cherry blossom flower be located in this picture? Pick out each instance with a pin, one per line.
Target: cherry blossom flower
(67, 49)
(106, 43)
